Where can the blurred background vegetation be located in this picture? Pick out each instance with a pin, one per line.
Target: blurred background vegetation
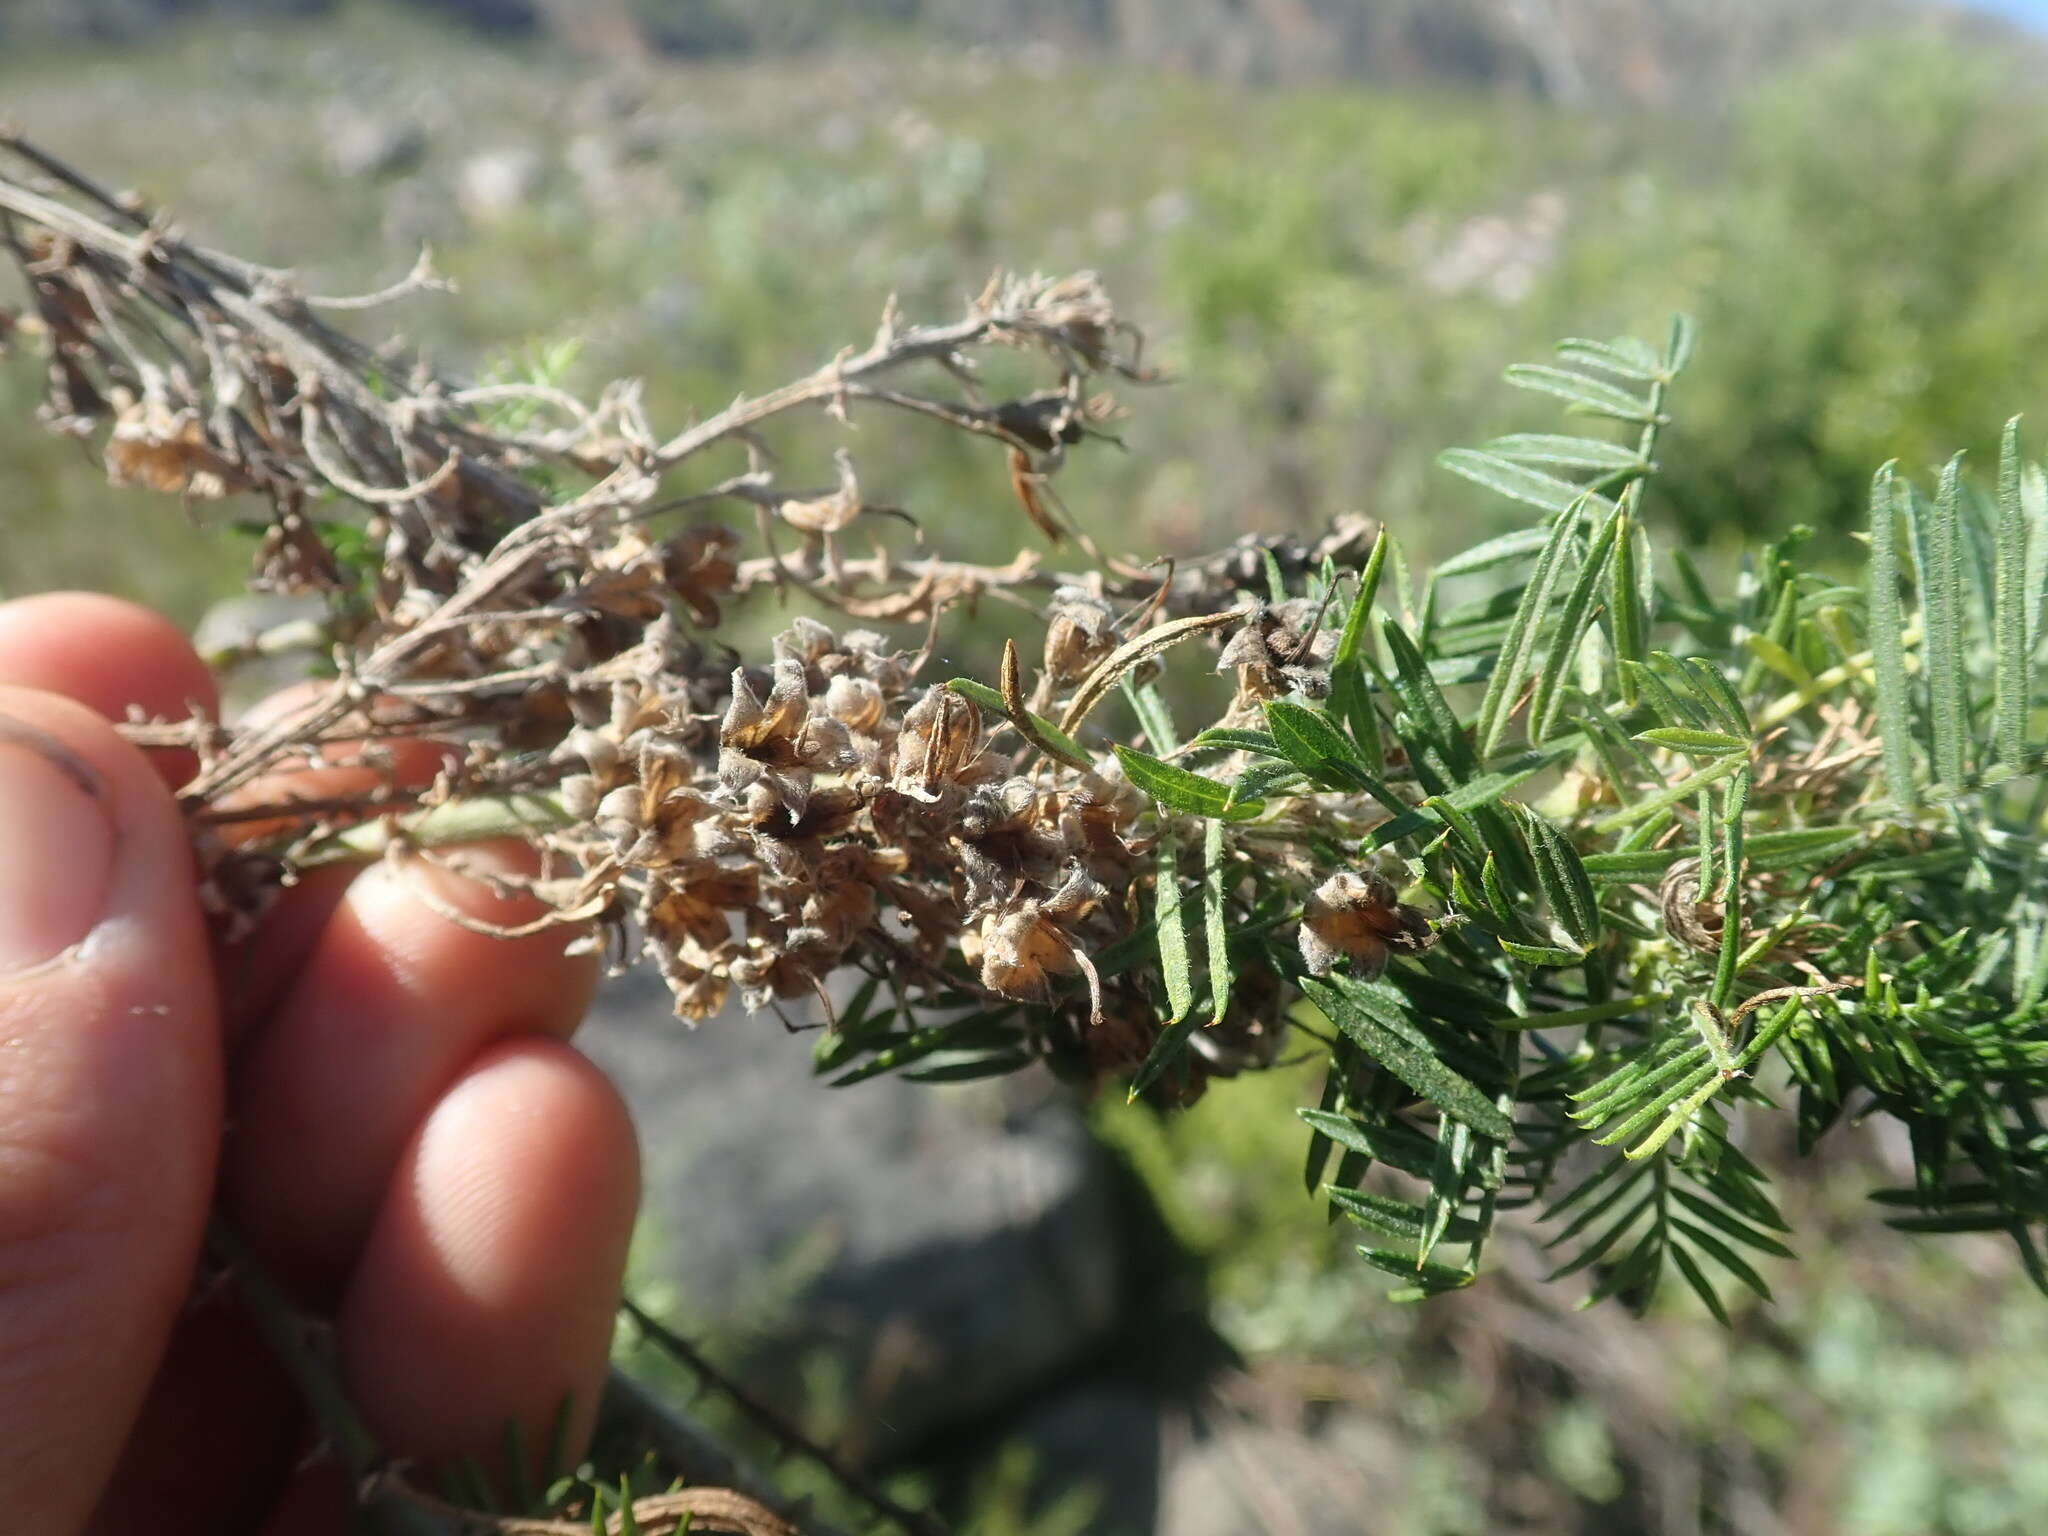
(1338, 220)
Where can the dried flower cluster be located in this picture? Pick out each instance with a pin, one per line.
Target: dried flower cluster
(750, 830)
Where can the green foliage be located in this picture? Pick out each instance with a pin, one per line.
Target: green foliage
(1833, 784)
(1695, 859)
(1861, 286)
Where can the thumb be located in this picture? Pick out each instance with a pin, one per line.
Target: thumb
(109, 1097)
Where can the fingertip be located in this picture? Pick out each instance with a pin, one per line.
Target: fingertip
(110, 1101)
(487, 1292)
(397, 999)
(109, 654)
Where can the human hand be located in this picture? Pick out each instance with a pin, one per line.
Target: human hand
(412, 1147)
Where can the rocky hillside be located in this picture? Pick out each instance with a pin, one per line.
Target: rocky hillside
(1649, 52)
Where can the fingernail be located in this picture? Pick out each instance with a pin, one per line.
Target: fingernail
(56, 846)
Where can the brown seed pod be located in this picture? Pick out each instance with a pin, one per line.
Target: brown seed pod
(1360, 918)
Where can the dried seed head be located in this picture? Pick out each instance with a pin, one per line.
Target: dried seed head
(766, 731)
(764, 974)
(164, 449)
(855, 703)
(1021, 951)
(939, 747)
(580, 795)
(824, 744)
(596, 750)
(620, 808)
(877, 660)
(806, 641)
(1281, 647)
(1360, 918)
(1079, 632)
(699, 992)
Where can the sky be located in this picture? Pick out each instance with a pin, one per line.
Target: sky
(2033, 11)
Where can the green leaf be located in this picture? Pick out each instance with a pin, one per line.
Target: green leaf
(1175, 968)
(1491, 722)
(1671, 794)
(1531, 487)
(1628, 1083)
(1692, 742)
(1430, 1279)
(986, 1029)
(1225, 739)
(1349, 699)
(1950, 1222)
(1177, 787)
(1779, 660)
(1672, 1108)
(1736, 804)
(1574, 1018)
(1596, 1247)
(1402, 1149)
(1497, 899)
(1319, 1141)
(1567, 452)
(1471, 795)
(1702, 1287)
(973, 1069)
(1216, 922)
(1518, 545)
(1154, 718)
(1570, 630)
(1276, 583)
(1623, 1179)
(1733, 1225)
(1624, 355)
(1262, 779)
(1307, 739)
(1711, 688)
(1941, 598)
(1678, 349)
(1542, 956)
(990, 699)
(1166, 1050)
(1669, 707)
(1799, 847)
(1689, 691)
(1398, 1219)
(2013, 609)
(1447, 1176)
(1425, 702)
(1564, 881)
(1585, 392)
(1886, 626)
(1700, 1238)
(1347, 1006)
(1628, 603)
(855, 1030)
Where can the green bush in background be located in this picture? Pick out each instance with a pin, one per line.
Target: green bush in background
(1332, 275)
